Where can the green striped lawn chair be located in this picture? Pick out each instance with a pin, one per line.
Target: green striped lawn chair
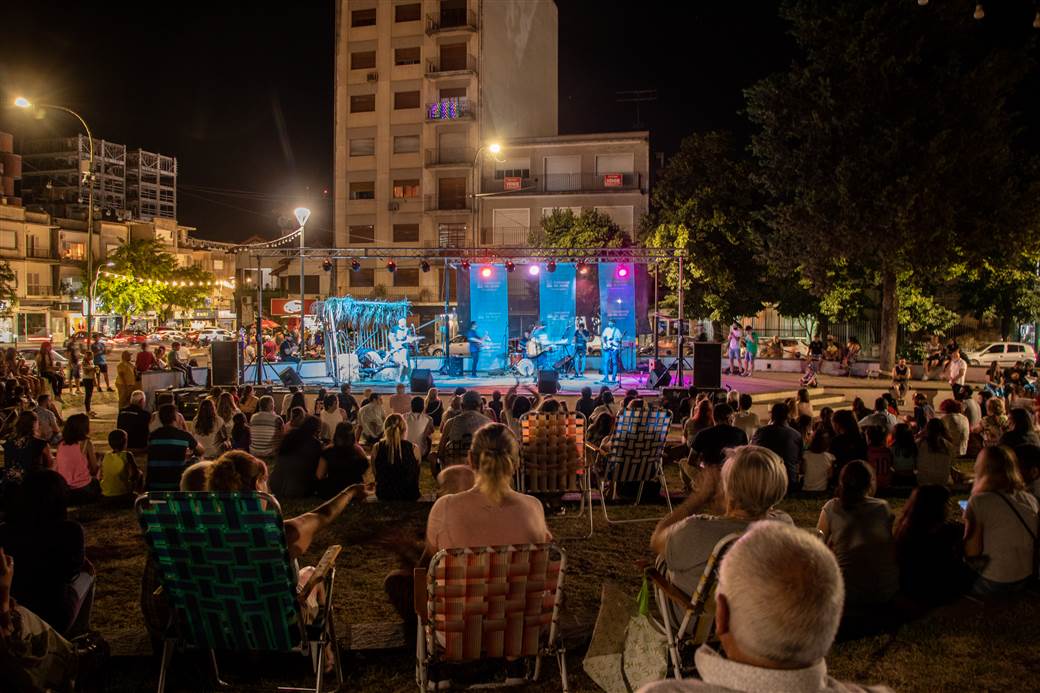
(225, 570)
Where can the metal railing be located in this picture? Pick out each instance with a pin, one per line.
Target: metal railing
(451, 20)
(520, 236)
(570, 182)
(454, 108)
(38, 290)
(441, 65)
(450, 155)
(447, 203)
(41, 253)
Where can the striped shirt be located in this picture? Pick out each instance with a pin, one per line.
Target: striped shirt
(168, 449)
(265, 429)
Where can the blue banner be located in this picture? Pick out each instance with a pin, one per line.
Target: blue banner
(556, 302)
(489, 308)
(617, 302)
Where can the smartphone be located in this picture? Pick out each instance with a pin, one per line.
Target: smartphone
(963, 504)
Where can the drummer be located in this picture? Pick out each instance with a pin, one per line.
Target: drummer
(540, 335)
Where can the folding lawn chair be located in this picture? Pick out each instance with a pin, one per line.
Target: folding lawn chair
(552, 458)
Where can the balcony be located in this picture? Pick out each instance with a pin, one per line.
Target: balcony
(450, 110)
(451, 20)
(447, 203)
(570, 183)
(38, 290)
(455, 157)
(451, 67)
(41, 254)
(505, 236)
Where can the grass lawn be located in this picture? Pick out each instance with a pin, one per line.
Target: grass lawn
(967, 646)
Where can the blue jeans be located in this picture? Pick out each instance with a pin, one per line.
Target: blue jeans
(474, 356)
(579, 363)
(609, 366)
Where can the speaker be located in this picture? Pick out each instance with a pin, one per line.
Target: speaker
(422, 380)
(455, 366)
(659, 376)
(548, 382)
(707, 365)
(223, 360)
(290, 377)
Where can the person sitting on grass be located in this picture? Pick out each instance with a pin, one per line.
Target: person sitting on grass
(1000, 525)
(817, 464)
(371, 418)
(240, 432)
(395, 462)
(934, 455)
(266, 430)
(1028, 459)
(76, 461)
(209, 430)
(879, 457)
(930, 549)
(995, 423)
(777, 608)
(419, 427)
(120, 476)
(782, 439)
(136, 421)
(162, 399)
(904, 455)
(957, 427)
(746, 420)
(295, 472)
(169, 450)
(24, 452)
(342, 464)
(1022, 431)
(50, 420)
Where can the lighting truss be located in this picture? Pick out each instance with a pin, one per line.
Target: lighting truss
(480, 255)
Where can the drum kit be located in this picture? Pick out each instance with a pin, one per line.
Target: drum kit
(523, 363)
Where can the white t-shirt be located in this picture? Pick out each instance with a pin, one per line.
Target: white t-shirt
(958, 369)
(1005, 541)
(735, 334)
(817, 470)
(329, 421)
(416, 427)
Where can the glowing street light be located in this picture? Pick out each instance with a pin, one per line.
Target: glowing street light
(22, 102)
(302, 214)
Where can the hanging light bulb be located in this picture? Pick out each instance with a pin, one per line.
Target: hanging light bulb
(465, 264)
(550, 266)
(980, 11)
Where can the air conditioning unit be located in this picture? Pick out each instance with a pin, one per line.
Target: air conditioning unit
(393, 206)
(372, 76)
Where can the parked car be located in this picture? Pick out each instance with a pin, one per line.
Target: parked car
(458, 346)
(131, 337)
(213, 334)
(167, 336)
(1003, 353)
(31, 354)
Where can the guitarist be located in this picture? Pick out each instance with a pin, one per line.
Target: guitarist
(611, 341)
(400, 338)
(475, 343)
(581, 347)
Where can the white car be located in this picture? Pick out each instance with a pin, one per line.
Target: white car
(166, 336)
(1003, 353)
(214, 334)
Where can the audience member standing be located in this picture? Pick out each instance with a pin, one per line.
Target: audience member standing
(126, 378)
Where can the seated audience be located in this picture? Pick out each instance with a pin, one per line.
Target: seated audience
(1022, 431)
(226, 410)
(342, 464)
(162, 398)
(847, 443)
(747, 420)
(120, 476)
(248, 402)
(702, 417)
(266, 430)
(817, 463)
(711, 445)
(400, 402)
(331, 416)
(395, 462)
(135, 420)
(971, 409)
(778, 607)
(370, 419)
(904, 456)
(25, 451)
(923, 411)
(934, 455)
(296, 471)
(241, 438)
(169, 450)
(76, 461)
(50, 420)
(433, 407)
(419, 427)
(783, 440)
(1028, 459)
(880, 417)
(455, 479)
(879, 457)
(930, 549)
(957, 427)
(209, 431)
(459, 430)
(293, 398)
(995, 423)
(296, 417)
(1001, 525)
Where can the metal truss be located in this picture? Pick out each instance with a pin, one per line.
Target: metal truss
(635, 255)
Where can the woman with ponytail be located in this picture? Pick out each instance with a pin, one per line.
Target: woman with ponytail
(491, 513)
(395, 461)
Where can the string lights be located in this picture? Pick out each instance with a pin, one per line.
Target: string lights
(176, 283)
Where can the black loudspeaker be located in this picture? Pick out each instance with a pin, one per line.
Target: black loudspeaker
(455, 366)
(548, 382)
(659, 376)
(707, 365)
(223, 362)
(422, 380)
(290, 377)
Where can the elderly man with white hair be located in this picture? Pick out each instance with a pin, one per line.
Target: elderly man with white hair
(778, 605)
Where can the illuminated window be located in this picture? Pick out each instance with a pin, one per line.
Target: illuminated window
(406, 188)
(76, 251)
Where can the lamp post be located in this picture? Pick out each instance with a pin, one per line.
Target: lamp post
(302, 214)
(93, 290)
(495, 148)
(22, 102)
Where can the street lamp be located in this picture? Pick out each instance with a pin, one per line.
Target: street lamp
(93, 284)
(302, 214)
(22, 102)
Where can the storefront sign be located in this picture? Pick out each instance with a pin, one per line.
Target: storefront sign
(290, 306)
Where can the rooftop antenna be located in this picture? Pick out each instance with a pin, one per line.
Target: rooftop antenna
(637, 97)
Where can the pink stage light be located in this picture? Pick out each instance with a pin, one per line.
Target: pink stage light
(486, 272)
(533, 270)
(622, 272)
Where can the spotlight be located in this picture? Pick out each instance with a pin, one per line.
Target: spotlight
(465, 264)
(391, 265)
(326, 264)
(424, 266)
(980, 11)
(550, 266)
(533, 270)
(510, 266)
(355, 264)
(485, 272)
(582, 267)
(622, 272)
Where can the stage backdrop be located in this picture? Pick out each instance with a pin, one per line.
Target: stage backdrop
(489, 306)
(556, 302)
(617, 302)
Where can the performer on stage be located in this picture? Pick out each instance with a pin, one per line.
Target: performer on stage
(581, 348)
(475, 343)
(399, 340)
(611, 343)
(536, 349)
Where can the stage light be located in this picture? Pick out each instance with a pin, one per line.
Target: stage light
(510, 266)
(465, 264)
(424, 266)
(326, 265)
(533, 270)
(582, 267)
(550, 266)
(622, 272)
(485, 272)
(391, 265)
(355, 264)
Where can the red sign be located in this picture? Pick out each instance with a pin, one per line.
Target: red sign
(613, 180)
(512, 183)
(290, 306)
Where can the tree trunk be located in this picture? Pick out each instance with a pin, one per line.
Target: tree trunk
(1005, 327)
(889, 320)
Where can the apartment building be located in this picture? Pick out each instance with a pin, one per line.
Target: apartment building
(421, 87)
(10, 169)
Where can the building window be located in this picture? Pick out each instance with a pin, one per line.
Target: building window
(408, 13)
(453, 93)
(406, 144)
(218, 264)
(362, 103)
(512, 173)
(363, 60)
(364, 277)
(8, 240)
(76, 251)
(407, 56)
(363, 17)
(363, 146)
(406, 99)
(406, 276)
(362, 233)
(406, 233)
(363, 190)
(311, 284)
(404, 189)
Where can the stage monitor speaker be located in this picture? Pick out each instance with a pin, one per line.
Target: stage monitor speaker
(223, 360)
(290, 377)
(422, 380)
(707, 365)
(548, 382)
(659, 376)
(455, 366)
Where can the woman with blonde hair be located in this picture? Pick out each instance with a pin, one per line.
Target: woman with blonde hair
(209, 430)
(126, 379)
(226, 410)
(395, 461)
(995, 423)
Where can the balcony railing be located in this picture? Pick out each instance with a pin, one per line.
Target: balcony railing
(446, 156)
(436, 67)
(38, 290)
(41, 253)
(460, 19)
(447, 203)
(519, 236)
(454, 108)
(569, 182)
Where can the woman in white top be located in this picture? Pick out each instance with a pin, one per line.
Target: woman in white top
(209, 430)
(956, 424)
(418, 427)
(805, 407)
(1000, 524)
(934, 455)
(817, 463)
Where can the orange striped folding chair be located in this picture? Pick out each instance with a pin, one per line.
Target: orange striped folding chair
(552, 457)
(490, 603)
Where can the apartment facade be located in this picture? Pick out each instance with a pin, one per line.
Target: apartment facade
(421, 87)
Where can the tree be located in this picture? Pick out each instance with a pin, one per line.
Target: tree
(7, 287)
(562, 228)
(1008, 291)
(887, 150)
(189, 287)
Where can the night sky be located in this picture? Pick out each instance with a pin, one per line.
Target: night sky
(243, 94)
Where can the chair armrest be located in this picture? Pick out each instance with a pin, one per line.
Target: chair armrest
(667, 588)
(419, 593)
(328, 560)
(595, 448)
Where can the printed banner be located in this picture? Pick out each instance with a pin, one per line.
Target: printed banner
(617, 302)
(489, 308)
(556, 302)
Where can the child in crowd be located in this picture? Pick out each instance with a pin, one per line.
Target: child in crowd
(817, 463)
(240, 434)
(120, 476)
(879, 457)
(89, 371)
